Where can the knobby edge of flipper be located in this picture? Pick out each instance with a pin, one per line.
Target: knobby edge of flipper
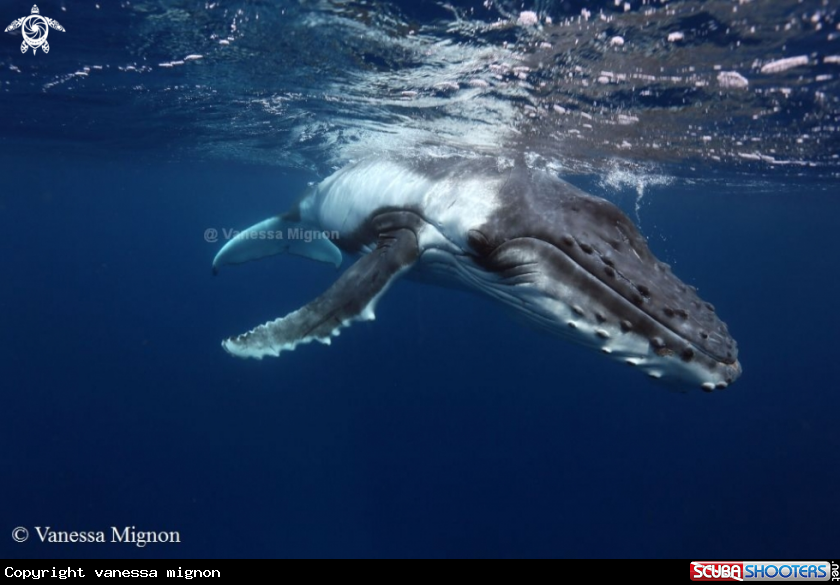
(353, 297)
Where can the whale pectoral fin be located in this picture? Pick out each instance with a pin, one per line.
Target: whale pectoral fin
(278, 235)
(352, 297)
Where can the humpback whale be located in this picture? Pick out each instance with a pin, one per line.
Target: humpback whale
(571, 263)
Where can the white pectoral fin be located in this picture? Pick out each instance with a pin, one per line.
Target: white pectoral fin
(352, 297)
(320, 250)
(277, 235)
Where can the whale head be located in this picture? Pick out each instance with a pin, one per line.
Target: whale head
(575, 265)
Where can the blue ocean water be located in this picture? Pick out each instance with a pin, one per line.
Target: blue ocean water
(444, 428)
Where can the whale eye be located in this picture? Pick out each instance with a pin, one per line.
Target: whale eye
(480, 243)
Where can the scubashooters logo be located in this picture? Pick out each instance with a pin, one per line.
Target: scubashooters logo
(35, 29)
(789, 571)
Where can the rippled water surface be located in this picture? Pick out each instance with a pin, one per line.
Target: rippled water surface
(747, 86)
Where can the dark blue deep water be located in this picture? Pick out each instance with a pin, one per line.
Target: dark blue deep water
(443, 429)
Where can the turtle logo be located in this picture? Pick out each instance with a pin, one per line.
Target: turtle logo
(35, 30)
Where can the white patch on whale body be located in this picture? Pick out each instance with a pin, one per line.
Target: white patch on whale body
(344, 201)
